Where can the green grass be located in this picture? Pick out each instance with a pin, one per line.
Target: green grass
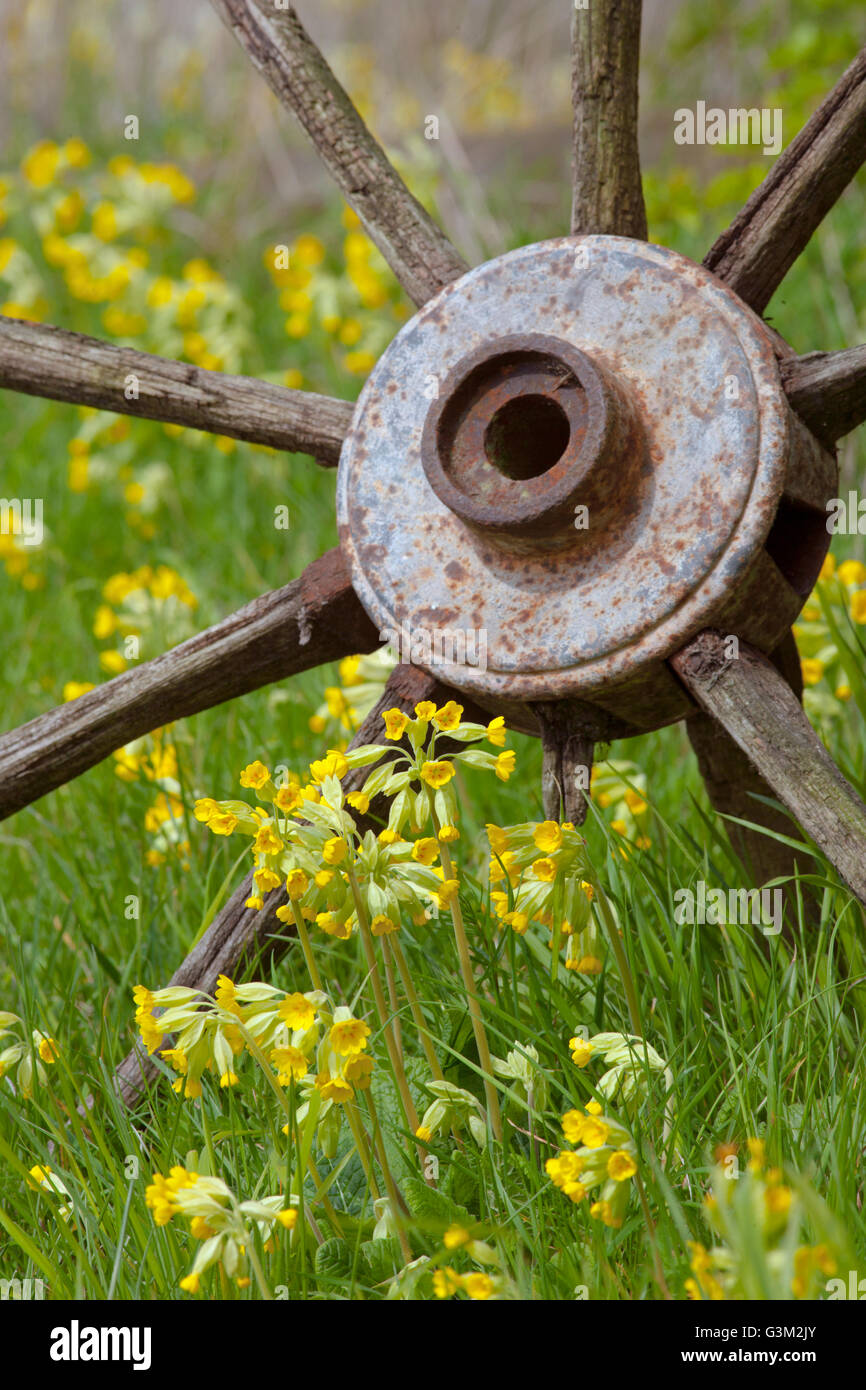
(762, 1036)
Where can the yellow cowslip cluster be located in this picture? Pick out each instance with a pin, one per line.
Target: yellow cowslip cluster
(342, 304)
(345, 706)
(538, 873)
(755, 1205)
(309, 840)
(299, 1034)
(606, 1158)
(152, 606)
(224, 1226)
(840, 595)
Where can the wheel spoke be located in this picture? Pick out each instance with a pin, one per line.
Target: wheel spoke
(607, 189)
(316, 618)
(418, 252)
(828, 390)
(766, 237)
(41, 360)
(733, 784)
(757, 707)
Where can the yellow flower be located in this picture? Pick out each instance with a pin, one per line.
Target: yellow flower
(496, 732)
(425, 851)
(395, 722)
(851, 572)
(858, 606)
(448, 717)
(424, 1133)
(828, 569)
(48, 1050)
(334, 850)
(446, 1282)
(288, 1218)
(73, 689)
(266, 880)
(455, 1236)
(223, 823)
(581, 1051)
(359, 801)
(548, 836)
(105, 222)
(255, 775)
(447, 892)
(359, 1070)
(545, 870)
(291, 1064)
(425, 710)
(296, 884)
(349, 1037)
(297, 1012)
(778, 1200)
(334, 1088)
(448, 833)
(505, 764)
(308, 250)
(267, 841)
(288, 799)
(382, 925)
(621, 1166)
(437, 774)
(479, 1287)
(334, 765)
(40, 164)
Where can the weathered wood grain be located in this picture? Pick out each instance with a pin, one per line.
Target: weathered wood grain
(757, 707)
(828, 390)
(757, 250)
(607, 195)
(42, 360)
(418, 252)
(316, 618)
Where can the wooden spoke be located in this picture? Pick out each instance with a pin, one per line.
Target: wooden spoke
(418, 252)
(828, 390)
(44, 361)
(316, 618)
(239, 934)
(766, 237)
(607, 189)
(757, 707)
(733, 784)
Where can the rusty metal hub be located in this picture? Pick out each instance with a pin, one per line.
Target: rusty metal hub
(590, 496)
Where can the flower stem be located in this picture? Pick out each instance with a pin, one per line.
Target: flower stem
(394, 1198)
(409, 1111)
(620, 956)
(469, 981)
(415, 1009)
(362, 1144)
(392, 995)
(306, 946)
(258, 1272)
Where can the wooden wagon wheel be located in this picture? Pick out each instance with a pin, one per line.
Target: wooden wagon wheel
(655, 407)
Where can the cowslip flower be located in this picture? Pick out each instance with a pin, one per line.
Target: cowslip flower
(224, 1225)
(27, 1059)
(419, 780)
(605, 1159)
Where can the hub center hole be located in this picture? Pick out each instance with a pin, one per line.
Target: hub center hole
(527, 436)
